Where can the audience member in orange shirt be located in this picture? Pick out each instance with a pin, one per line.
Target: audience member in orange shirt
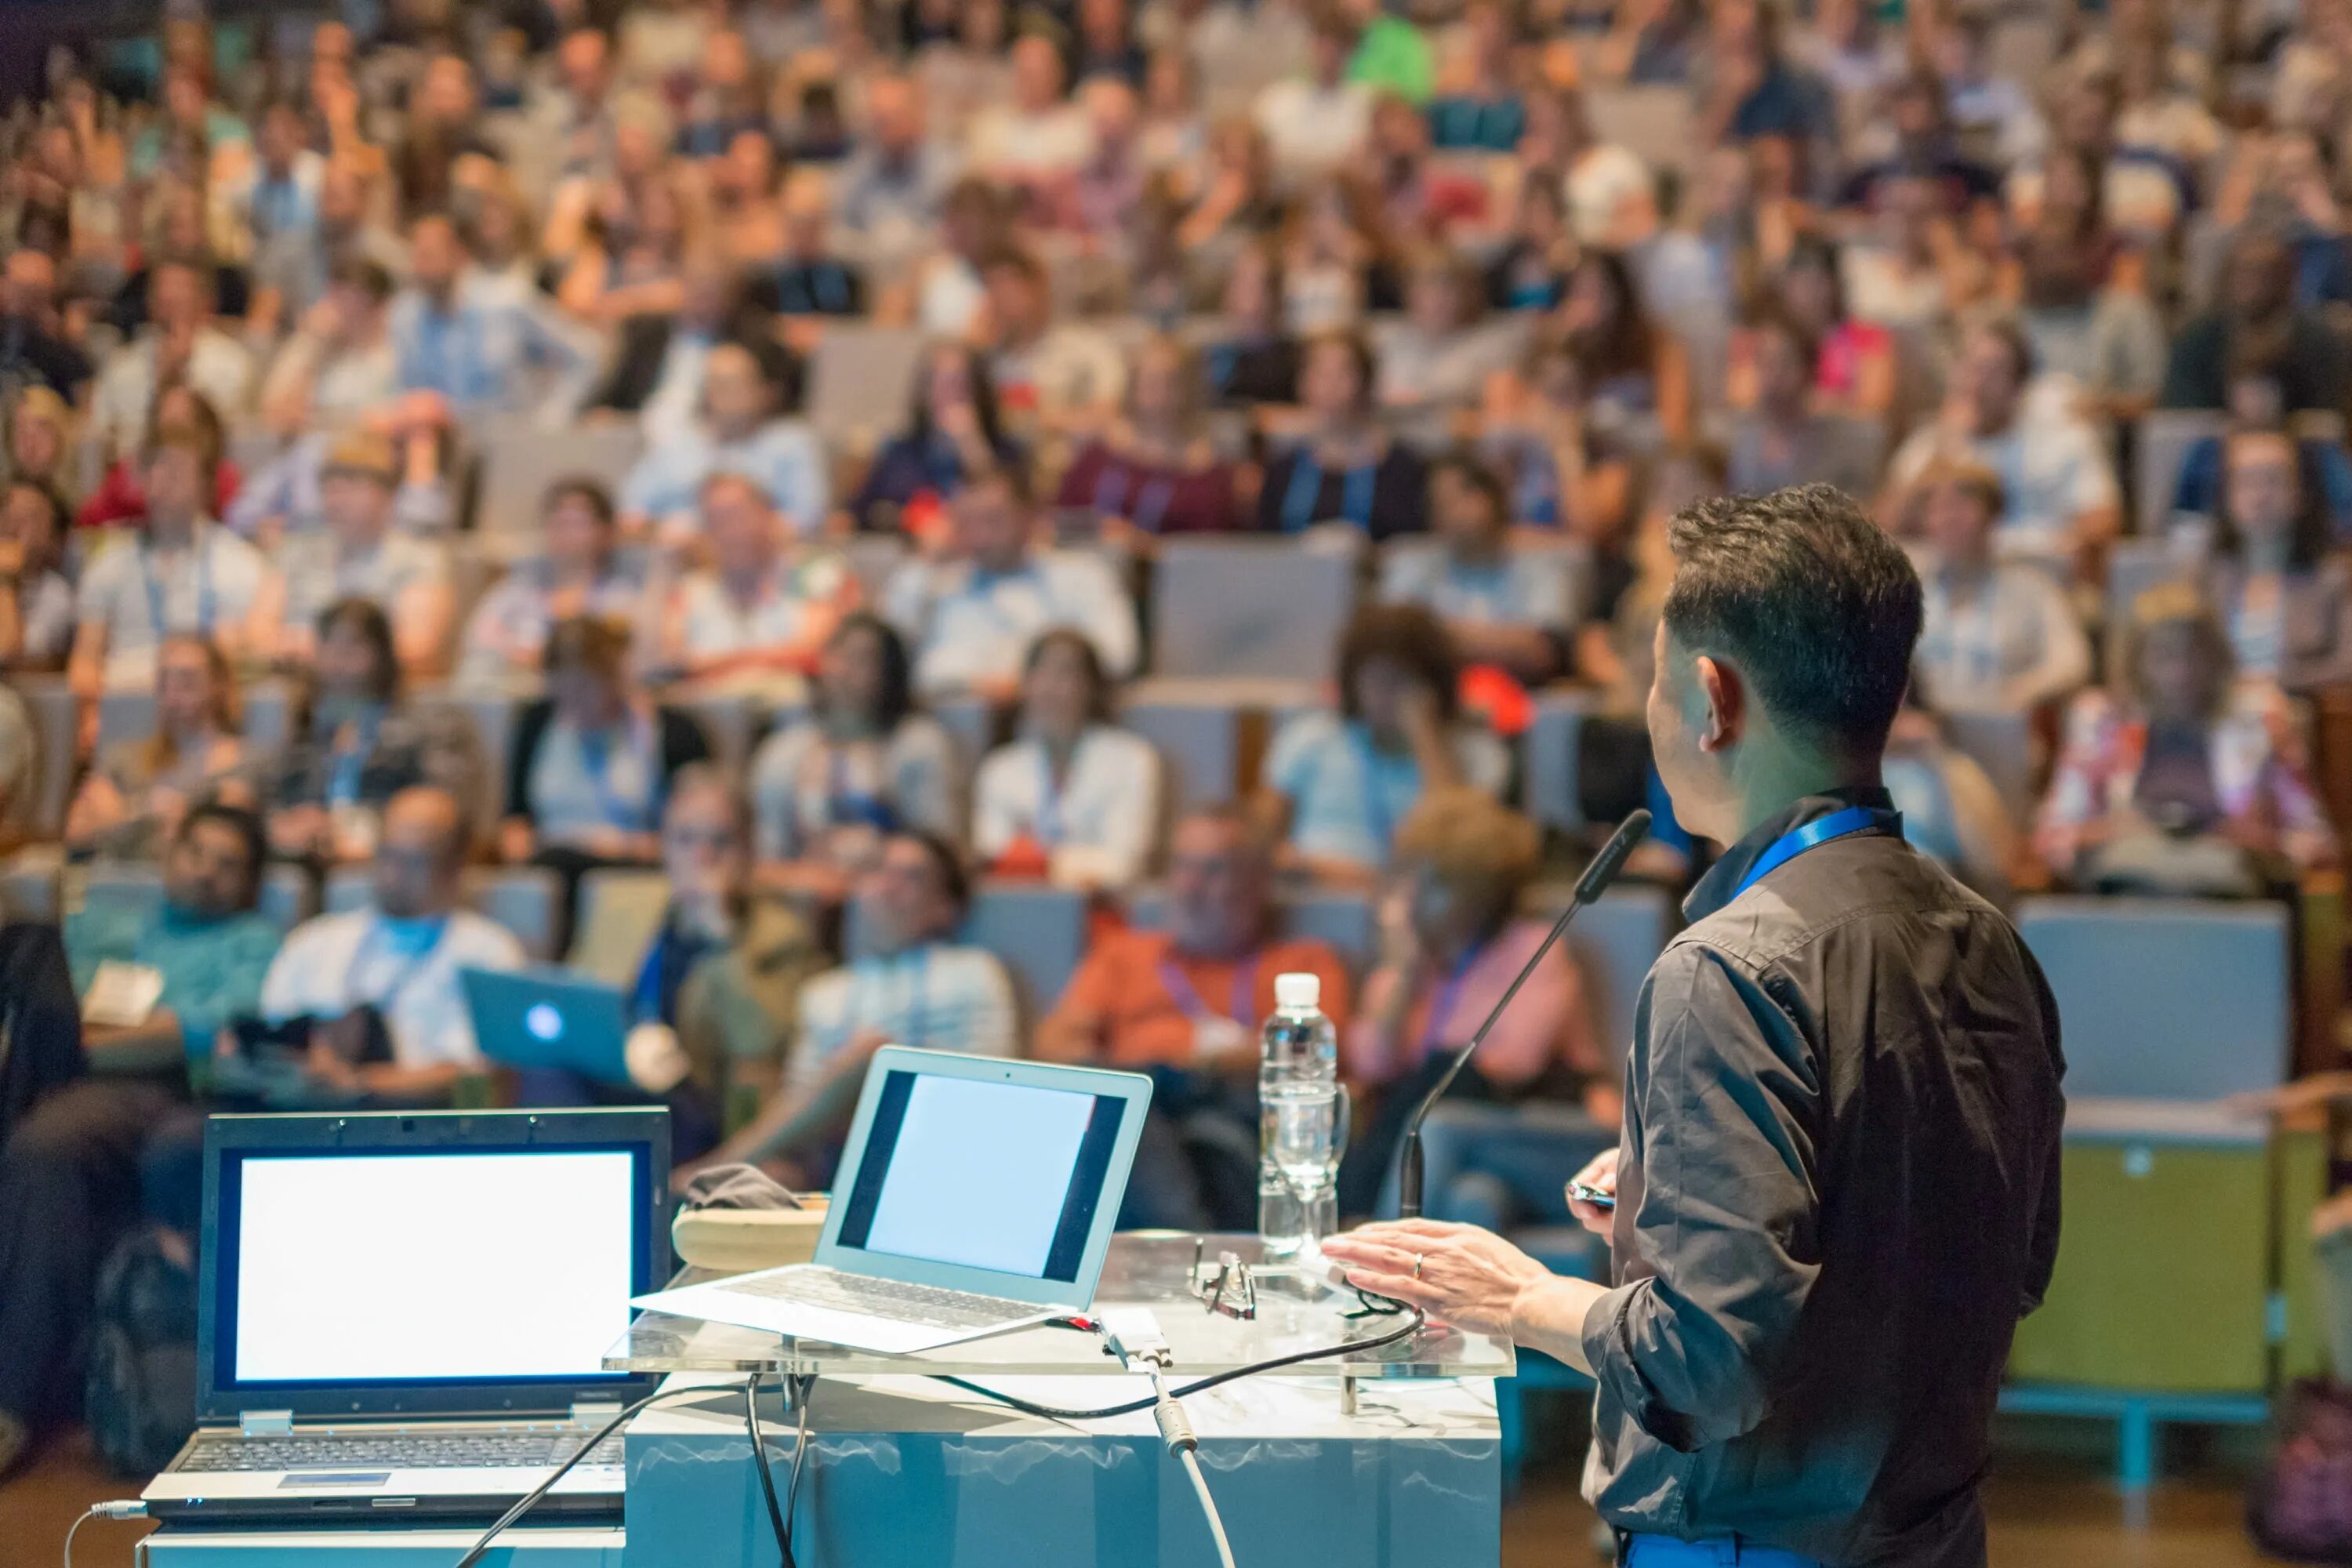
(1184, 1005)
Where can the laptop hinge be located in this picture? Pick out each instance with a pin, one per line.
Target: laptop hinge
(266, 1423)
(594, 1412)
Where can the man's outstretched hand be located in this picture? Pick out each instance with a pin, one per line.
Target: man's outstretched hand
(1469, 1277)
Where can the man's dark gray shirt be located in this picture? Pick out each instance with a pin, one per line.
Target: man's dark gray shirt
(1838, 1193)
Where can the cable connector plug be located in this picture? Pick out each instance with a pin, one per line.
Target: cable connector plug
(119, 1508)
(1175, 1428)
(1135, 1338)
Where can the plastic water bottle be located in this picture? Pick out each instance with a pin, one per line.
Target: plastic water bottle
(1302, 1121)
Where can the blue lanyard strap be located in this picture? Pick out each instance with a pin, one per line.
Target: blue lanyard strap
(1449, 995)
(1305, 492)
(1813, 834)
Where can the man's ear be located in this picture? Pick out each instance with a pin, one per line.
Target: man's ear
(1727, 704)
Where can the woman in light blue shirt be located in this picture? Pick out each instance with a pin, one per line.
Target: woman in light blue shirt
(1339, 782)
(742, 431)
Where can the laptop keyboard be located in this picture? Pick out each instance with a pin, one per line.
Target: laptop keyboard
(396, 1450)
(925, 1305)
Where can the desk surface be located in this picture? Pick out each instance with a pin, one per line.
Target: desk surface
(1147, 1270)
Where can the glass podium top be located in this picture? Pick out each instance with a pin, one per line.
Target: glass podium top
(1295, 1311)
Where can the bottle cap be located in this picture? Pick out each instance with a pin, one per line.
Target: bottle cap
(1298, 991)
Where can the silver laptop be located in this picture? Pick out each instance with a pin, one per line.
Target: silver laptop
(549, 1018)
(975, 1195)
(406, 1314)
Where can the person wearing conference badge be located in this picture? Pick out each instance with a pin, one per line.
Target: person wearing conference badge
(1837, 1187)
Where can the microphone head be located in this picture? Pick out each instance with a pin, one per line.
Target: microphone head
(1611, 859)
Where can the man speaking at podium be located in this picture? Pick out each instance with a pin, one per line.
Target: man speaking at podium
(1837, 1185)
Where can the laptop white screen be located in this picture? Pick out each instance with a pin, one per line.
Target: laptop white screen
(413, 1268)
(993, 1175)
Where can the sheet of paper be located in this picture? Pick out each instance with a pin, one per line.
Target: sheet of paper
(121, 996)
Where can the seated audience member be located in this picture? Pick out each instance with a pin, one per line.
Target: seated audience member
(1059, 378)
(354, 743)
(744, 430)
(1480, 110)
(184, 573)
(913, 984)
(180, 344)
(1563, 472)
(285, 497)
(829, 787)
(471, 339)
(506, 639)
(1781, 440)
(2256, 310)
(1437, 362)
(37, 602)
(1510, 608)
(1337, 784)
(1036, 139)
(360, 554)
(1185, 1005)
(2056, 478)
(1531, 271)
(2282, 598)
(1854, 370)
(2185, 781)
(1153, 472)
(37, 347)
(710, 974)
(969, 616)
(132, 800)
(339, 367)
(1316, 123)
(1344, 468)
(180, 413)
(953, 436)
(1636, 375)
(593, 760)
(2109, 339)
(893, 185)
(1254, 359)
(389, 972)
(68, 1167)
(43, 446)
(20, 754)
(1950, 809)
(2256, 404)
(658, 365)
(809, 277)
(1076, 798)
(754, 616)
(1451, 943)
(1998, 637)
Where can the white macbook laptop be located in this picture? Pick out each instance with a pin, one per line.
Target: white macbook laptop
(406, 1314)
(974, 1196)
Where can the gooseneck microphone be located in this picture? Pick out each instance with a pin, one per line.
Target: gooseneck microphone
(1588, 886)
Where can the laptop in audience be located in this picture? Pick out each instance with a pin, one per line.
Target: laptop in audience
(549, 1018)
(975, 1195)
(407, 1312)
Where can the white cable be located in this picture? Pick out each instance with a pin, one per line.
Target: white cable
(1208, 1506)
(119, 1507)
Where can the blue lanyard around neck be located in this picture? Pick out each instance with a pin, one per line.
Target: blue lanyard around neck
(1306, 489)
(1843, 823)
(206, 601)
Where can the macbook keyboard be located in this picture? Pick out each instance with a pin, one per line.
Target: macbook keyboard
(925, 1305)
(397, 1450)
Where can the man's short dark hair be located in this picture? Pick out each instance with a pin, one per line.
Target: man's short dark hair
(1815, 605)
(246, 825)
(955, 881)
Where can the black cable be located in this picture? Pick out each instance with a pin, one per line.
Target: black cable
(1346, 1347)
(767, 1481)
(529, 1500)
(804, 1391)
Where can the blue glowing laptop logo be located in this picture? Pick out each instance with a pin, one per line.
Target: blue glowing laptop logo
(544, 1021)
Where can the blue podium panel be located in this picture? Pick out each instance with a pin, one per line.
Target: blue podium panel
(910, 1470)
